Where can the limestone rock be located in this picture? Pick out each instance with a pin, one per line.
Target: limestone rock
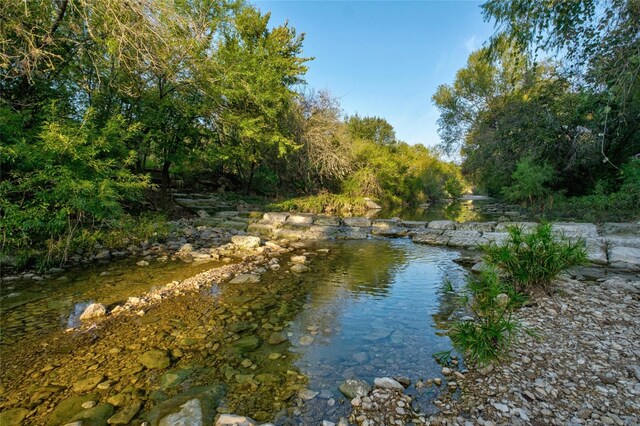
(245, 242)
(233, 420)
(94, 310)
(359, 222)
(442, 224)
(190, 414)
(352, 388)
(387, 383)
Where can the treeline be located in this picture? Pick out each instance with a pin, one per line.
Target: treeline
(105, 101)
(547, 114)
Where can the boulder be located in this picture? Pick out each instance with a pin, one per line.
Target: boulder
(464, 238)
(68, 408)
(371, 205)
(318, 232)
(94, 416)
(103, 255)
(246, 242)
(352, 233)
(352, 388)
(87, 384)
(94, 310)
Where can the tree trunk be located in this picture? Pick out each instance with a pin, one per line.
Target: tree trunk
(250, 178)
(166, 179)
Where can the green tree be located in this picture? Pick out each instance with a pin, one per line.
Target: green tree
(374, 129)
(259, 67)
(530, 182)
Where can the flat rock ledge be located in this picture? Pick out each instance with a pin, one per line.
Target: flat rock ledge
(615, 245)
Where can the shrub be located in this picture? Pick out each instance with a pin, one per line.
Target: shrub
(490, 335)
(534, 259)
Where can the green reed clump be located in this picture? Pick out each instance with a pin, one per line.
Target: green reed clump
(533, 259)
(490, 335)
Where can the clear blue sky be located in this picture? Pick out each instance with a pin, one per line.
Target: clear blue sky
(385, 58)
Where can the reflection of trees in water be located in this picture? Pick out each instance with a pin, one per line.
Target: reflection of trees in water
(458, 210)
(453, 285)
(350, 270)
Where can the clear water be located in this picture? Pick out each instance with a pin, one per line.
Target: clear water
(367, 309)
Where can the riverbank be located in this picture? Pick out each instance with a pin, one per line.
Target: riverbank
(581, 367)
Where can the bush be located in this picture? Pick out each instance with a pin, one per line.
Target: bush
(491, 334)
(534, 259)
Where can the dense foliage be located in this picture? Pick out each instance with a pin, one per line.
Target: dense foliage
(103, 102)
(548, 112)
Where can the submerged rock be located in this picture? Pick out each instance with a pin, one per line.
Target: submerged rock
(13, 417)
(245, 279)
(299, 268)
(154, 359)
(190, 414)
(68, 408)
(95, 416)
(247, 344)
(352, 388)
(94, 310)
(233, 420)
(87, 384)
(207, 397)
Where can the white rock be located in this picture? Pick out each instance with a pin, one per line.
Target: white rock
(233, 420)
(387, 383)
(189, 415)
(94, 310)
(245, 242)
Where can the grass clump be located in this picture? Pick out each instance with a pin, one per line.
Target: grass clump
(533, 259)
(490, 335)
(525, 262)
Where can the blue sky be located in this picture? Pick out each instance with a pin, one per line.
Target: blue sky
(385, 58)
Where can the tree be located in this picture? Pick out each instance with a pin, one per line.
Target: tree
(258, 67)
(375, 129)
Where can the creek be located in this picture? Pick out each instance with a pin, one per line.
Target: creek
(280, 347)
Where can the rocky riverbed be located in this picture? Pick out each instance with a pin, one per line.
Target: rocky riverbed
(165, 356)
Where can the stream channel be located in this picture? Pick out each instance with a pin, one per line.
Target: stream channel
(280, 347)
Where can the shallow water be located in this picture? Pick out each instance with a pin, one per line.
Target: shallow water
(367, 309)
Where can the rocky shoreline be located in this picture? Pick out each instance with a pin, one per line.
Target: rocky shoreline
(582, 368)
